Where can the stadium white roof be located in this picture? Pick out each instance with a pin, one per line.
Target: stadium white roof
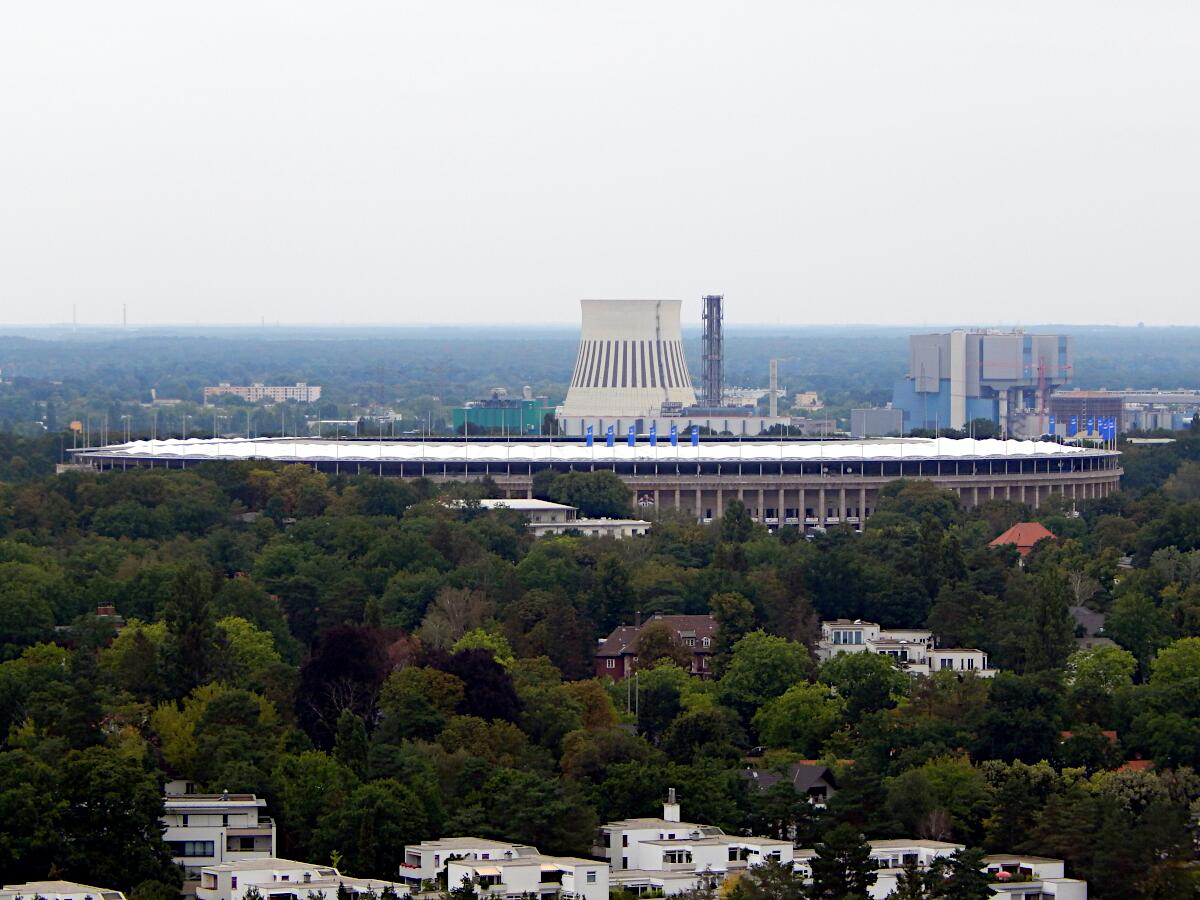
(286, 449)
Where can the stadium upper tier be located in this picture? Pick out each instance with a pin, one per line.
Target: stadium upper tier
(802, 483)
(308, 449)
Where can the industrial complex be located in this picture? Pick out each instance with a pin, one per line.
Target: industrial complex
(1006, 377)
(631, 409)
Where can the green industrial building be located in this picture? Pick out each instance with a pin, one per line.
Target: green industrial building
(501, 415)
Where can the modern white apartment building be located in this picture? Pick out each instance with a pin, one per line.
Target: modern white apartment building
(1013, 877)
(916, 650)
(560, 877)
(205, 829)
(57, 890)
(427, 860)
(285, 879)
(669, 855)
(254, 393)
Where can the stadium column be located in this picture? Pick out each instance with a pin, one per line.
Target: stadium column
(862, 506)
(720, 507)
(842, 504)
(676, 498)
(975, 495)
(699, 508)
(781, 510)
(762, 509)
(802, 512)
(822, 520)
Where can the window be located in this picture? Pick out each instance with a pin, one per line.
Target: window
(224, 820)
(691, 642)
(610, 663)
(624, 840)
(705, 642)
(192, 848)
(234, 882)
(183, 819)
(591, 877)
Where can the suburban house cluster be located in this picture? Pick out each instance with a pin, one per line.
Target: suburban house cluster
(227, 846)
(915, 650)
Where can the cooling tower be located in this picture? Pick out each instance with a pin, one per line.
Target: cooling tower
(630, 360)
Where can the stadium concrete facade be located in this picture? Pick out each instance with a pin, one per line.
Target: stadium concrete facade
(800, 483)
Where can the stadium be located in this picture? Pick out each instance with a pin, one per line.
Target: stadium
(783, 482)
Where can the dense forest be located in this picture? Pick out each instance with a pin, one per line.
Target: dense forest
(384, 666)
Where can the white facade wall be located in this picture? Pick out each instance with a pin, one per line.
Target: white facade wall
(578, 879)
(428, 860)
(284, 879)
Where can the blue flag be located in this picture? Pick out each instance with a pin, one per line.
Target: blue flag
(1091, 426)
(589, 435)
(608, 438)
(674, 435)
(1073, 426)
(653, 435)
(632, 437)
(1052, 424)
(695, 435)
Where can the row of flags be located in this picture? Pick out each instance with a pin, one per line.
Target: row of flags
(1103, 427)
(631, 439)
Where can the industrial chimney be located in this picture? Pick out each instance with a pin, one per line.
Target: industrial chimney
(714, 349)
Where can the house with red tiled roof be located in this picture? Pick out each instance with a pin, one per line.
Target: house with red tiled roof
(1023, 535)
(617, 655)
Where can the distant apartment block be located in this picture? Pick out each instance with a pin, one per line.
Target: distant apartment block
(57, 890)
(915, 650)
(301, 392)
(617, 654)
(206, 829)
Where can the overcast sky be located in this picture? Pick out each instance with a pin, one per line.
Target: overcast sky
(401, 162)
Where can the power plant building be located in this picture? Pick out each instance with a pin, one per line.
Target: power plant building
(1005, 377)
(630, 360)
(631, 372)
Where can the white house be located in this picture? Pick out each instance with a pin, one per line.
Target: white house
(672, 856)
(285, 879)
(1019, 876)
(57, 890)
(205, 829)
(916, 650)
(565, 877)
(1014, 877)
(427, 860)
(558, 518)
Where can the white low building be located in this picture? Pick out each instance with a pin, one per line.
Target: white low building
(205, 829)
(57, 890)
(1014, 877)
(1018, 877)
(427, 860)
(565, 877)
(546, 518)
(669, 855)
(916, 650)
(287, 879)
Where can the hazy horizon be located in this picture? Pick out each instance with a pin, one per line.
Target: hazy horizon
(404, 164)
